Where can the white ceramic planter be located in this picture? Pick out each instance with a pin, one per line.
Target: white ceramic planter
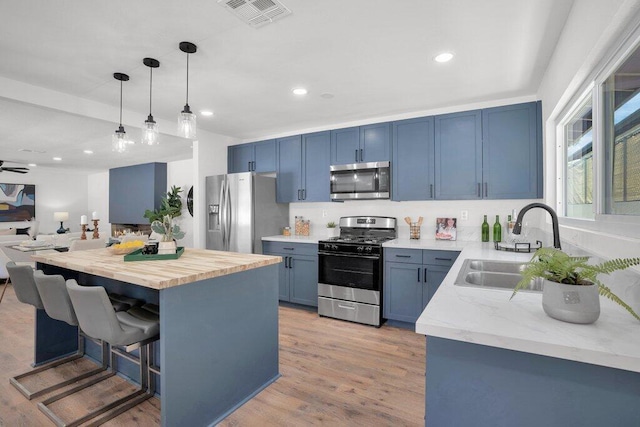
(333, 232)
(571, 303)
(165, 248)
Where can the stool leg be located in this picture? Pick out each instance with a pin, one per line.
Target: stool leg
(6, 283)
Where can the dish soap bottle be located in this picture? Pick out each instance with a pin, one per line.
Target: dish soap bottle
(497, 230)
(485, 230)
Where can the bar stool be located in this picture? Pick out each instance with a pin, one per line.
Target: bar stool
(4, 274)
(99, 320)
(54, 298)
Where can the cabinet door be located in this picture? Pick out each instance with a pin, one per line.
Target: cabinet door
(303, 280)
(240, 158)
(375, 142)
(458, 155)
(265, 156)
(512, 152)
(413, 154)
(433, 277)
(283, 278)
(315, 167)
(402, 291)
(345, 146)
(134, 189)
(289, 168)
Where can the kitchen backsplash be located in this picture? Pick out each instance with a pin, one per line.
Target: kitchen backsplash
(468, 229)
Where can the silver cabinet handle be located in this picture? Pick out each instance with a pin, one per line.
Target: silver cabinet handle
(346, 306)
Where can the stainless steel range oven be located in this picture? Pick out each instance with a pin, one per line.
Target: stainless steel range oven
(350, 270)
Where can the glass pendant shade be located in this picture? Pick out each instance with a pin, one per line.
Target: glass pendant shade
(187, 123)
(150, 133)
(119, 140)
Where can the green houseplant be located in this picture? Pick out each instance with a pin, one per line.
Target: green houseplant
(332, 231)
(170, 233)
(572, 274)
(170, 205)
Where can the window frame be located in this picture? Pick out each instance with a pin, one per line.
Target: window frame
(593, 85)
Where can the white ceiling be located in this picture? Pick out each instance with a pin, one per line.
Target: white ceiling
(373, 56)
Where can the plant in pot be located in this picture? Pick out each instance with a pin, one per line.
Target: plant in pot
(332, 229)
(571, 288)
(169, 205)
(170, 232)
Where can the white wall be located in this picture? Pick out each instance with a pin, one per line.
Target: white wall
(180, 174)
(592, 32)
(56, 190)
(98, 201)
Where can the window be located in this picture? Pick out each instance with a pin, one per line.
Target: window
(621, 120)
(578, 135)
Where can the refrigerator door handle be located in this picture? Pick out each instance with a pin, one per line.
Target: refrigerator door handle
(222, 214)
(229, 213)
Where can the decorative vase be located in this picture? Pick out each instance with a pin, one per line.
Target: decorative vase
(166, 248)
(571, 303)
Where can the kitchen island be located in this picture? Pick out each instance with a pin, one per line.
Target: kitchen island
(495, 362)
(218, 343)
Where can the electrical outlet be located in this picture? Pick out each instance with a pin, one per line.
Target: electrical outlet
(324, 213)
(464, 215)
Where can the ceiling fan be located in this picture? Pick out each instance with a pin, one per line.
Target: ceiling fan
(12, 169)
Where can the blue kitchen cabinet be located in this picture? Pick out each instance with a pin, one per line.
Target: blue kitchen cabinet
(370, 143)
(411, 278)
(298, 271)
(512, 151)
(315, 152)
(413, 153)
(458, 155)
(253, 157)
(133, 190)
(303, 168)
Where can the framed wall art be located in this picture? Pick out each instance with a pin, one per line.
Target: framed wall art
(17, 202)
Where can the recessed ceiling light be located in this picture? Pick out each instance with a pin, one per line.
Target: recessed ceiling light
(444, 57)
(57, 159)
(299, 91)
(88, 152)
(326, 95)
(33, 165)
(206, 113)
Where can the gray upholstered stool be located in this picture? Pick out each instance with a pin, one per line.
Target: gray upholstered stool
(123, 302)
(150, 312)
(98, 319)
(55, 300)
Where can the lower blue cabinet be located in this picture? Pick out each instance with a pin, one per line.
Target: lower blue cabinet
(298, 271)
(411, 278)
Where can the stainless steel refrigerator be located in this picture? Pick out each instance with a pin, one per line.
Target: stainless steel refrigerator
(241, 210)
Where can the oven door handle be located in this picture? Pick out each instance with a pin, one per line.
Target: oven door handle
(349, 256)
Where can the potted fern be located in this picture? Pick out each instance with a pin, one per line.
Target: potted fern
(571, 288)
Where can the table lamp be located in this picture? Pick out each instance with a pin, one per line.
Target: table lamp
(61, 216)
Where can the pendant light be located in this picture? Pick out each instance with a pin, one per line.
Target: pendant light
(119, 140)
(150, 132)
(186, 119)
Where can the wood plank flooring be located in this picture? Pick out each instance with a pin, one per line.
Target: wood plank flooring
(333, 373)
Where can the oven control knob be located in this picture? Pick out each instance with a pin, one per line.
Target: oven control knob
(368, 249)
(360, 248)
(334, 247)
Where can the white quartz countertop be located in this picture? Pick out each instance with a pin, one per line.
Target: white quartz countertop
(445, 245)
(488, 317)
(294, 239)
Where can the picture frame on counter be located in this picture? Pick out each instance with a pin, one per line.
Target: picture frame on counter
(446, 228)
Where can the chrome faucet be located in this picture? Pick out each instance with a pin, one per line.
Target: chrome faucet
(554, 221)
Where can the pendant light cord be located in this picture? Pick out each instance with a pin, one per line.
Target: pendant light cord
(187, 79)
(120, 103)
(150, 86)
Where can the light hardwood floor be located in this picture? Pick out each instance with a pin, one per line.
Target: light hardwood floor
(333, 373)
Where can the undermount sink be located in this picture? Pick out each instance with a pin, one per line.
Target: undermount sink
(494, 275)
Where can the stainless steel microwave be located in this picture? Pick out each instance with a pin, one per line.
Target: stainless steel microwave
(360, 181)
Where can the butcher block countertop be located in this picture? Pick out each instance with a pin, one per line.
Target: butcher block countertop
(192, 266)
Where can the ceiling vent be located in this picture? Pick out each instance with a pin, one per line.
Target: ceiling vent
(256, 12)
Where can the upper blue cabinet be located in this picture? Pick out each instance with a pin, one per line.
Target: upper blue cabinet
(133, 190)
(303, 168)
(371, 143)
(413, 153)
(253, 157)
(512, 151)
(458, 155)
(494, 153)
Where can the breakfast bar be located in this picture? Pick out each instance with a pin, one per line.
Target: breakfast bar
(218, 342)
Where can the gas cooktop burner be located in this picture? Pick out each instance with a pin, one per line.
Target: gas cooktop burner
(359, 239)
